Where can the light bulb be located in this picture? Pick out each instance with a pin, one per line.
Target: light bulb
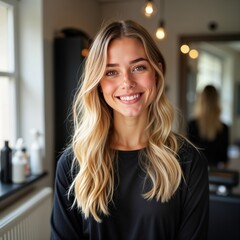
(185, 48)
(149, 8)
(193, 54)
(160, 34)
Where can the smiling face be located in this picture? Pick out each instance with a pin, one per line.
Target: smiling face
(129, 84)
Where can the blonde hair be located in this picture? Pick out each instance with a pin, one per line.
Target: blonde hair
(207, 112)
(94, 183)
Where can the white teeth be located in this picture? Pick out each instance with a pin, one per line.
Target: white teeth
(129, 98)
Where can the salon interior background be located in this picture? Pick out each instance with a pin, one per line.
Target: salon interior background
(41, 20)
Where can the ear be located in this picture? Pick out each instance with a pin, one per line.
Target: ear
(161, 67)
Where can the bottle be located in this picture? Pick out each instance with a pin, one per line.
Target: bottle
(19, 163)
(20, 145)
(6, 163)
(26, 158)
(36, 158)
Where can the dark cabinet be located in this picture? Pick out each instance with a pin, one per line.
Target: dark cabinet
(68, 62)
(224, 217)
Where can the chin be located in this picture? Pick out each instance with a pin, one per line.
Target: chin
(132, 114)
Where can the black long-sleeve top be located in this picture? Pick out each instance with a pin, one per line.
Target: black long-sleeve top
(215, 150)
(183, 217)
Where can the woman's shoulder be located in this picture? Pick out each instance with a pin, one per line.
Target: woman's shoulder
(193, 163)
(190, 155)
(65, 162)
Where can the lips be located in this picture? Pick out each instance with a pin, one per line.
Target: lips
(130, 97)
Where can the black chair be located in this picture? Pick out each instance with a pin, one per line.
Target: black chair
(224, 209)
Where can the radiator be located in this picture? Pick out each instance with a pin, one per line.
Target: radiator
(30, 220)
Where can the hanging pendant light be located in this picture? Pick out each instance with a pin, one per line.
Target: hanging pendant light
(160, 33)
(149, 8)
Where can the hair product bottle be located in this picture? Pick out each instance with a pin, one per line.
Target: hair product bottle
(6, 163)
(26, 157)
(36, 158)
(19, 164)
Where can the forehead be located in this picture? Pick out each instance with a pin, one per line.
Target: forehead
(126, 46)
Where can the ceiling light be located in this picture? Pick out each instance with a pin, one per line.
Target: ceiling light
(149, 8)
(160, 33)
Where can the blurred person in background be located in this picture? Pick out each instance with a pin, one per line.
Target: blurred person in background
(207, 131)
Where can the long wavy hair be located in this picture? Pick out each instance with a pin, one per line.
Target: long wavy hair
(93, 185)
(207, 111)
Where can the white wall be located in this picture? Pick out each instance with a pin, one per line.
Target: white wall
(81, 14)
(31, 69)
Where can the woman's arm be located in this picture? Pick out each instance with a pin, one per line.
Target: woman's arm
(195, 197)
(66, 222)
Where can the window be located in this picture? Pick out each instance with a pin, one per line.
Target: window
(7, 72)
(210, 70)
(215, 69)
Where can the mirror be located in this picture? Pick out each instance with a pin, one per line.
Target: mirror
(217, 63)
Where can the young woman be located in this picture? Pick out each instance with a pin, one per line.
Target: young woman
(127, 175)
(207, 130)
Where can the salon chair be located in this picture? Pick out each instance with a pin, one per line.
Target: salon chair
(224, 208)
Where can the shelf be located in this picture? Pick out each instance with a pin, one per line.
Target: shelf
(8, 189)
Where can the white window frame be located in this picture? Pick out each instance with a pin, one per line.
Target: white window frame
(13, 72)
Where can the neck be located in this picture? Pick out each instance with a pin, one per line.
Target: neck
(129, 133)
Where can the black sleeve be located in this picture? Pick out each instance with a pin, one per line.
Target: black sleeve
(66, 222)
(195, 197)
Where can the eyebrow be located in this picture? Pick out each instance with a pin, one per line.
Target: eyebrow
(131, 62)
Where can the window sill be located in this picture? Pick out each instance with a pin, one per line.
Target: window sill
(8, 190)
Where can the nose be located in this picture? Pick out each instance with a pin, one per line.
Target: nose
(128, 83)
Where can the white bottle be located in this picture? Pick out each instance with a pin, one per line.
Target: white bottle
(19, 164)
(36, 158)
(26, 158)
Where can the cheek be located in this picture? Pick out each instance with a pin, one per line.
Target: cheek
(107, 88)
(151, 85)
(150, 82)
